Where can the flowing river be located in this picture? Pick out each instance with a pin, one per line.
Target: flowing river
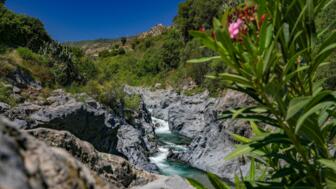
(171, 141)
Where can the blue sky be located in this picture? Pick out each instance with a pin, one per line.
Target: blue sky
(73, 20)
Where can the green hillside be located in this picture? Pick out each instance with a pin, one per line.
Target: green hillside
(104, 65)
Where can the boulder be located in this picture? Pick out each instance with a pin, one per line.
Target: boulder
(62, 111)
(111, 167)
(28, 163)
(174, 182)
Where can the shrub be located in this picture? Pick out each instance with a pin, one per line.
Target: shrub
(28, 55)
(148, 43)
(135, 43)
(106, 93)
(6, 67)
(132, 102)
(5, 95)
(86, 68)
(273, 55)
(121, 51)
(37, 65)
(62, 63)
(151, 63)
(104, 54)
(171, 50)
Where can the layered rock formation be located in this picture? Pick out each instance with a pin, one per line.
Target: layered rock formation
(89, 121)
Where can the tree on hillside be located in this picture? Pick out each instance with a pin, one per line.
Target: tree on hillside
(171, 50)
(123, 41)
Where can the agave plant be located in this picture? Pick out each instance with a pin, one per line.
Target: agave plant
(274, 52)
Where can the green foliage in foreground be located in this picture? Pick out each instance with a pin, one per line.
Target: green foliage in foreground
(278, 69)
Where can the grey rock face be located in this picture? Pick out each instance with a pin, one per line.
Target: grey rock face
(133, 146)
(3, 107)
(112, 168)
(28, 163)
(89, 121)
(184, 113)
(21, 79)
(86, 119)
(208, 150)
(174, 182)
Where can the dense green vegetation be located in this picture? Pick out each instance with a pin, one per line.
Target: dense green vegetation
(162, 59)
(26, 47)
(278, 69)
(19, 30)
(65, 64)
(326, 19)
(195, 14)
(134, 61)
(5, 94)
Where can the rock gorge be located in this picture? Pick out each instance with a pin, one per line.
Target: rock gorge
(119, 153)
(198, 118)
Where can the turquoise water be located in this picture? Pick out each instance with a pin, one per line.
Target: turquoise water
(171, 141)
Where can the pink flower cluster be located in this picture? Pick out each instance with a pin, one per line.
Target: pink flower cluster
(234, 28)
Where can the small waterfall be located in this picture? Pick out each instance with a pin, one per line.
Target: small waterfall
(169, 141)
(163, 126)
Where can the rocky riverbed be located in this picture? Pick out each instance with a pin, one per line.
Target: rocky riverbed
(99, 148)
(113, 153)
(196, 117)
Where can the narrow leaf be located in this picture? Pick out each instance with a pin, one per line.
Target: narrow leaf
(328, 163)
(296, 105)
(203, 60)
(195, 184)
(239, 151)
(217, 182)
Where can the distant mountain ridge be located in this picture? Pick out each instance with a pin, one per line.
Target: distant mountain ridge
(94, 47)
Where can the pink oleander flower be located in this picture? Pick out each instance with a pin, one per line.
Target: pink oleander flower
(234, 28)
